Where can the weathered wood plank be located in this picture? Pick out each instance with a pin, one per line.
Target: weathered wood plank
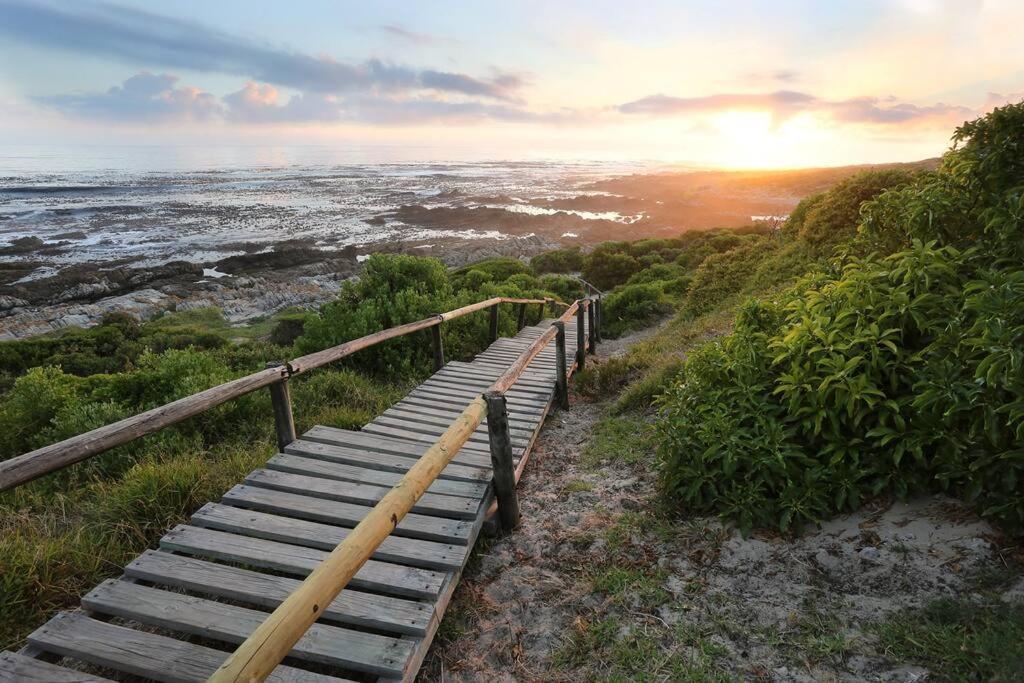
(382, 443)
(352, 607)
(464, 395)
(323, 644)
(15, 668)
(384, 462)
(410, 551)
(362, 494)
(345, 514)
(479, 386)
(415, 399)
(73, 634)
(413, 435)
(524, 427)
(425, 425)
(319, 468)
(375, 575)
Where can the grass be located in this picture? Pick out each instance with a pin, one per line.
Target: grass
(56, 543)
(619, 440)
(959, 640)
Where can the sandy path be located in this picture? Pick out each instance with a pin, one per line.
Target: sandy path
(595, 586)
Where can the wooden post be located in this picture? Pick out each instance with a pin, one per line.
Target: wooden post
(281, 400)
(581, 336)
(551, 304)
(561, 371)
(540, 312)
(598, 312)
(501, 460)
(592, 325)
(494, 323)
(435, 332)
(521, 317)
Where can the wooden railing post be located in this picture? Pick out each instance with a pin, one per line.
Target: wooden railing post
(501, 460)
(581, 335)
(598, 312)
(592, 325)
(561, 371)
(521, 317)
(281, 400)
(494, 323)
(435, 332)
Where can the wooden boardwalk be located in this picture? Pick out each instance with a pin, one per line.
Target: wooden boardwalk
(179, 610)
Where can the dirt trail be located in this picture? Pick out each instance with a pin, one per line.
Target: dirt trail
(595, 585)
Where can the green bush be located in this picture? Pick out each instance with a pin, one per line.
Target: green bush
(879, 375)
(632, 307)
(558, 261)
(606, 269)
(722, 276)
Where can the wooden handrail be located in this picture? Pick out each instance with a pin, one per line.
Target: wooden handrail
(34, 464)
(270, 643)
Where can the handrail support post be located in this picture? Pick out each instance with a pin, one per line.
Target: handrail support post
(592, 326)
(598, 312)
(581, 335)
(501, 460)
(281, 401)
(435, 333)
(561, 371)
(520, 317)
(494, 323)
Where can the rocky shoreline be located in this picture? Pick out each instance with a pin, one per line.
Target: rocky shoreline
(293, 273)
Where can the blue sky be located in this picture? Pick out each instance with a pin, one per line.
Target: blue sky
(731, 84)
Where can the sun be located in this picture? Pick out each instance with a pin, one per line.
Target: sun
(758, 139)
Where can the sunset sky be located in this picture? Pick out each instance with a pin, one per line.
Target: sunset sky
(744, 84)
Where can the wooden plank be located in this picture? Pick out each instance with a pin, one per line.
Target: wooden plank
(311, 466)
(410, 551)
(415, 399)
(378, 576)
(73, 634)
(526, 396)
(385, 444)
(432, 414)
(438, 427)
(345, 514)
(323, 644)
(453, 397)
(412, 435)
(15, 668)
(360, 494)
(527, 381)
(384, 462)
(352, 607)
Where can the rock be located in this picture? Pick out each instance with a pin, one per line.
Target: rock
(869, 553)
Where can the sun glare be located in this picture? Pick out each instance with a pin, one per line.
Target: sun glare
(756, 139)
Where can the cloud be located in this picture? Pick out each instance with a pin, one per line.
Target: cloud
(777, 76)
(411, 36)
(144, 97)
(787, 103)
(138, 36)
(261, 103)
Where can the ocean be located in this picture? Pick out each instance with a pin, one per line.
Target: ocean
(153, 204)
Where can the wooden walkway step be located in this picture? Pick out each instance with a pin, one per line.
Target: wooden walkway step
(179, 610)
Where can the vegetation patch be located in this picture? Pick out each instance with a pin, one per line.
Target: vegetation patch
(959, 640)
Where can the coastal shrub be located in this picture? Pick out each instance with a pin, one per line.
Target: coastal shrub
(662, 272)
(834, 218)
(474, 279)
(558, 261)
(289, 327)
(878, 375)
(722, 276)
(605, 269)
(633, 307)
(499, 268)
(567, 289)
